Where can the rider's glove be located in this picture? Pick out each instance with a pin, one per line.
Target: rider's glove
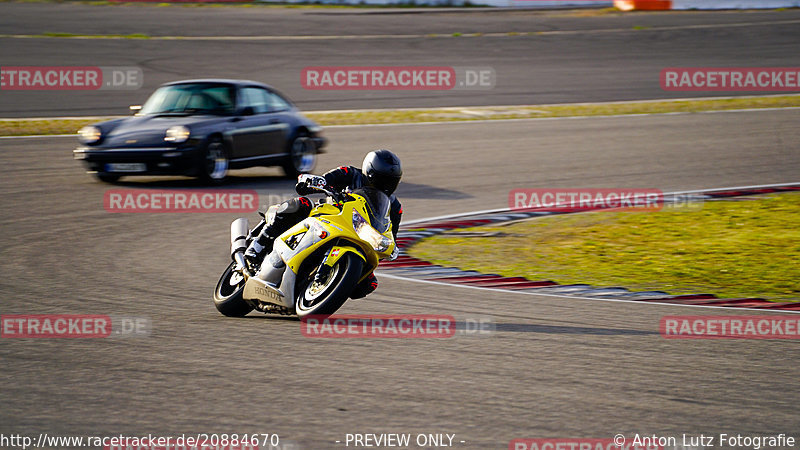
(302, 188)
(309, 184)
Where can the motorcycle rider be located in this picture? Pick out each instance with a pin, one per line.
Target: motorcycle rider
(381, 170)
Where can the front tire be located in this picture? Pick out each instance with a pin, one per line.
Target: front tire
(214, 163)
(302, 156)
(228, 295)
(326, 297)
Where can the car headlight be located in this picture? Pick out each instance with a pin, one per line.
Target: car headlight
(369, 234)
(89, 134)
(177, 134)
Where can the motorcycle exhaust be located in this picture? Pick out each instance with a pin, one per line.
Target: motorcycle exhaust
(239, 230)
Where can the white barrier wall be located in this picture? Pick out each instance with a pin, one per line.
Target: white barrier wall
(547, 3)
(733, 4)
(629, 5)
(500, 3)
(622, 4)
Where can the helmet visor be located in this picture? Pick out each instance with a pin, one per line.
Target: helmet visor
(384, 183)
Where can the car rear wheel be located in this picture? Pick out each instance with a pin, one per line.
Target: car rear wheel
(302, 156)
(214, 165)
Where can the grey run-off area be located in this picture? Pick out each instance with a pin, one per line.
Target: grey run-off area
(608, 57)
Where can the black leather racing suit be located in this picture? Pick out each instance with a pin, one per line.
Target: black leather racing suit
(293, 211)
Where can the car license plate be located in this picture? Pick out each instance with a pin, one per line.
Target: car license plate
(126, 167)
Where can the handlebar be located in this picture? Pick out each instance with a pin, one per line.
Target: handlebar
(318, 183)
(338, 196)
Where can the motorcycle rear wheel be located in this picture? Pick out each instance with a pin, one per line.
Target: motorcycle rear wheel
(326, 297)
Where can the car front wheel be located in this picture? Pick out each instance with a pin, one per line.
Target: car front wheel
(107, 177)
(302, 156)
(214, 164)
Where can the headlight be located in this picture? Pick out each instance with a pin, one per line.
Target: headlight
(89, 135)
(177, 134)
(365, 231)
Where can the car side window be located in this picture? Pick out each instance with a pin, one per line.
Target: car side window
(276, 102)
(255, 98)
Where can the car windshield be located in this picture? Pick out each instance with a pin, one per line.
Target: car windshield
(378, 206)
(191, 98)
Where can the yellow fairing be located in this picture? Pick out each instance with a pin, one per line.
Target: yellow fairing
(328, 224)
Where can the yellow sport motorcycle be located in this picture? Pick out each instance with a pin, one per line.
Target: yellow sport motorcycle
(314, 266)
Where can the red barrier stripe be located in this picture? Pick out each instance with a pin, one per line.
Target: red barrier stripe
(781, 306)
(466, 279)
(508, 279)
(737, 303)
(406, 264)
(525, 285)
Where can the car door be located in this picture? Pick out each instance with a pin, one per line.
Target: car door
(281, 112)
(257, 132)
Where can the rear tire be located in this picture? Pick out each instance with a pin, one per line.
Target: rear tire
(229, 298)
(327, 297)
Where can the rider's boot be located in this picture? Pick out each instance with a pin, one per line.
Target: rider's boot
(261, 246)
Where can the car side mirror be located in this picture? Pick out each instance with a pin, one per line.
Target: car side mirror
(248, 111)
(135, 109)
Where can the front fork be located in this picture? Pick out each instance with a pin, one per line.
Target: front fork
(324, 269)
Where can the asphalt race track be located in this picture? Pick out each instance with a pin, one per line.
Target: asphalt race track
(554, 367)
(570, 59)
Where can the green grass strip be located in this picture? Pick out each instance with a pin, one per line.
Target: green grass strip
(731, 248)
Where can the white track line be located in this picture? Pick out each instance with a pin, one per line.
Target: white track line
(508, 34)
(542, 105)
(485, 121)
(481, 107)
(39, 136)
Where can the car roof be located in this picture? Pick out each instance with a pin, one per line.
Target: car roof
(239, 83)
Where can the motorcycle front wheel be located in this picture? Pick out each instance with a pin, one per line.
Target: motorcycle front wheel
(329, 294)
(228, 295)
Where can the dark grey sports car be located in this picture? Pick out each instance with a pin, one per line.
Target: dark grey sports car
(203, 128)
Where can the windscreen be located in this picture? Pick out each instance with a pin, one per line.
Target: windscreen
(378, 206)
(191, 98)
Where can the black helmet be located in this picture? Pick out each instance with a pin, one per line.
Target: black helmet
(383, 171)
